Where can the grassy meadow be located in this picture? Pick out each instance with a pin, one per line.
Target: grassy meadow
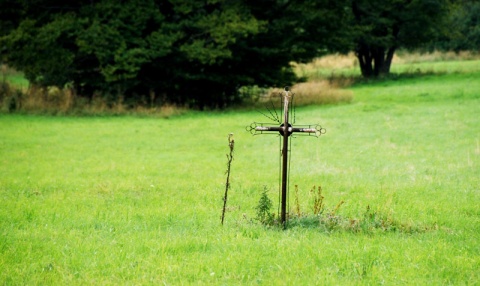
(108, 200)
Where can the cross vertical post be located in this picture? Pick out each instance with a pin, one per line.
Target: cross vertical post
(285, 129)
(285, 157)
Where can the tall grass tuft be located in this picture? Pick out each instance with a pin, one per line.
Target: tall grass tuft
(318, 206)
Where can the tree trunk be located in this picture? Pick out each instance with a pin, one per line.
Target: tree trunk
(365, 60)
(378, 60)
(388, 60)
(374, 61)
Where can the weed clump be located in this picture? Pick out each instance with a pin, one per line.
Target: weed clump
(329, 220)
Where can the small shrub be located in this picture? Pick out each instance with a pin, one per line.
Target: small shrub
(264, 214)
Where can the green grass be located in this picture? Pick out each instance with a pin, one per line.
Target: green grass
(13, 77)
(131, 200)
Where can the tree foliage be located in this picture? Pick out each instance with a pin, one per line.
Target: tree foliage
(462, 32)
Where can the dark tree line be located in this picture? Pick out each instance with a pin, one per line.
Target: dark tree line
(462, 32)
(200, 52)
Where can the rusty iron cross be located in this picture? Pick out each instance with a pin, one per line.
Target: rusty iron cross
(285, 130)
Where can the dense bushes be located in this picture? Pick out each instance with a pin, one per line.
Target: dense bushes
(196, 53)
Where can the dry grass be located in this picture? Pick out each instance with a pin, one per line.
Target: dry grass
(54, 100)
(316, 93)
(404, 57)
(330, 62)
(166, 110)
(328, 67)
(50, 100)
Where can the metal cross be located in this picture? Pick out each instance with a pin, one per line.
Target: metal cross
(285, 129)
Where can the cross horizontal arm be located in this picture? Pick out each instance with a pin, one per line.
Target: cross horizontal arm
(281, 128)
(268, 128)
(304, 130)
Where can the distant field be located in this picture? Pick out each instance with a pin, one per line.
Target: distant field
(132, 200)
